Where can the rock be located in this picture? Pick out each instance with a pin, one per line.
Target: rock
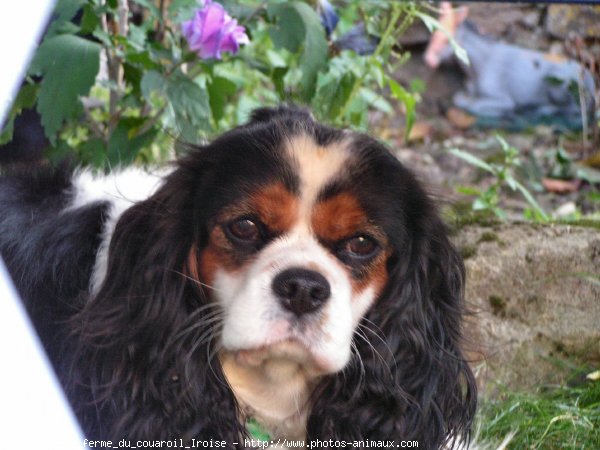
(565, 210)
(535, 302)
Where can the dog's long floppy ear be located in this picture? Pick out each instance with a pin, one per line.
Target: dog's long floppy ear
(409, 379)
(144, 340)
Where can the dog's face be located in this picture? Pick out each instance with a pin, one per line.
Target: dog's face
(295, 266)
(296, 246)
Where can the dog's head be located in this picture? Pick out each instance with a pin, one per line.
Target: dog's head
(288, 246)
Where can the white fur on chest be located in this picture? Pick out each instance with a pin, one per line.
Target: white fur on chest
(122, 190)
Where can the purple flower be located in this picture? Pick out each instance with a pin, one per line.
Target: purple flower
(213, 31)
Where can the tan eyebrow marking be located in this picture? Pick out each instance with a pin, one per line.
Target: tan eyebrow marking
(338, 217)
(341, 217)
(276, 207)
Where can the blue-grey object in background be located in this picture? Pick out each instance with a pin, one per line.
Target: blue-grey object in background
(329, 18)
(356, 38)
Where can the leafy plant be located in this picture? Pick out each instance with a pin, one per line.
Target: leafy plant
(115, 82)
(561, 164)
(504, 176)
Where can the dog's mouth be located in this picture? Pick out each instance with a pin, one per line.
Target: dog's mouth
(282, 359)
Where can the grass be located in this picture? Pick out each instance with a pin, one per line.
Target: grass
(559, 418)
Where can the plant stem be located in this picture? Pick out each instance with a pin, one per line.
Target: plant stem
(152, 121)
(94, 126)
(160, 25)
(396, 12)
(115, 68)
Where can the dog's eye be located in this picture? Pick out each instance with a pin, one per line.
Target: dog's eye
(361, 247)
(244, 230)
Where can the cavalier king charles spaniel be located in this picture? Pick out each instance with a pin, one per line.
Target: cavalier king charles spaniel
(287, 274)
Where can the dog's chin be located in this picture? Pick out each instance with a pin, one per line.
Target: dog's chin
(285, 359)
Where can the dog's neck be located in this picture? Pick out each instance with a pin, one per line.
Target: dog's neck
(274, 393)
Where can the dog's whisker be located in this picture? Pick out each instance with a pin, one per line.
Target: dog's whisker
(201, 311)
(194, 280)
(381, 339)
(209, 319)
(358, 357)
(206, 337)
(210, 357)
(378, 336)
(384, 363)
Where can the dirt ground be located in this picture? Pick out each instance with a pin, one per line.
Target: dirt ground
(534, 290)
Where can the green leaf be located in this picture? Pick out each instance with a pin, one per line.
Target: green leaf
(25, 100)
(409, 102)
(473, 160)
(588, 174)
(534, 204)
(142, 59)
(104, 38)
(90, 20)
(277, 76)
(179, 10)
(219, 91)
(69, 65)
(57, 153)
(500, 213)
(190, 105)
(512, 183)
(480, 204)
(376, 100)
(133, 77)
(6, 133)
(124, 145)
(289, 32)
(92, 152)
(341, 94)
(152, 81)
(468, 190)
(63, 12)
(417, 85)
(298, 29)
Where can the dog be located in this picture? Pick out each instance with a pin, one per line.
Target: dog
(287, 274)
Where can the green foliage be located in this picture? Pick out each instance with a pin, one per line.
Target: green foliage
(504, 176)
(560, 418)
(151, 91)
(26, 98)
(69, 65)
(298, 29)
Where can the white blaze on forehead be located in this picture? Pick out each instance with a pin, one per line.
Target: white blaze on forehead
(316, 166)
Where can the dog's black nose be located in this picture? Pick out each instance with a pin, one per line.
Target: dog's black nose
(300, 290)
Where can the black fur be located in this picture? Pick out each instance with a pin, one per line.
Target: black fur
(49, 252)
(133, 358)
